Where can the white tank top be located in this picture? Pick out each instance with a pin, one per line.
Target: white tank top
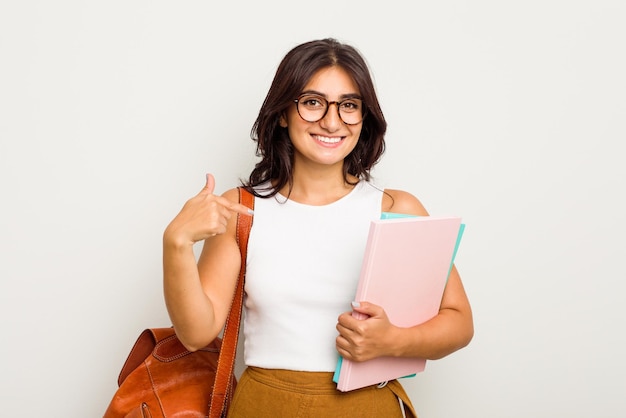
(302, 270)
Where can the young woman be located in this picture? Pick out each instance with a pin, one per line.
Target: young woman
(319, 133)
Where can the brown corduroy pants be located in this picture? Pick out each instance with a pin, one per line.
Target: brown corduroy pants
(263, 393)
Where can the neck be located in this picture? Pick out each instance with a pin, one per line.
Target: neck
(318, 187)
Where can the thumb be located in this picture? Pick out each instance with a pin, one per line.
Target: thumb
(210, 183)
(366, 308)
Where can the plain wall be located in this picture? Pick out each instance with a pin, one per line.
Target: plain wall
(509, 114)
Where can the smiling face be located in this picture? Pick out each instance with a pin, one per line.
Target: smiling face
(328, 141)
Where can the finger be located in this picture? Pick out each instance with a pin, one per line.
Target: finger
(342, 329)
(366, 308)
(349, 327)
(235, 207)
(345, 320)
(341, 343)
(243, 209)
(210, 183)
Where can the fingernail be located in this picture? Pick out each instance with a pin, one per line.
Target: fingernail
(356, 304)
(250, 212)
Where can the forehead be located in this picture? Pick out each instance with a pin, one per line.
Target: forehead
(332, 82)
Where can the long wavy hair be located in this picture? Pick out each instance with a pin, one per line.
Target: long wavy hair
(294, 72)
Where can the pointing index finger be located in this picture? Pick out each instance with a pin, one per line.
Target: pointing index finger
(243, 209)
(235, 206)
(230, 201)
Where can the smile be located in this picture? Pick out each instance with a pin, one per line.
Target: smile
(328, 140)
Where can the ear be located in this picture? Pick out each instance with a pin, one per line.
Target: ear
(282, 121)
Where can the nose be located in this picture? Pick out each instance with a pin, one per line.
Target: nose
(331, 120)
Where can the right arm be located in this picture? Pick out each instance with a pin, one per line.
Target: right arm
(198, 295)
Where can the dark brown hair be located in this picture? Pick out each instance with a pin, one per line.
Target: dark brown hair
(294, 72)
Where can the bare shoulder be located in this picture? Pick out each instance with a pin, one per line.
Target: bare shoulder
(232, 194)
(399, 201)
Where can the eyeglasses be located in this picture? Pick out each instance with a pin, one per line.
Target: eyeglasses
(313, 108)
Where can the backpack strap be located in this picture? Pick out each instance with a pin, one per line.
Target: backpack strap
(224, 376)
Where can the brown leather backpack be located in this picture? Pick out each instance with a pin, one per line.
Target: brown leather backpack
(161, 378)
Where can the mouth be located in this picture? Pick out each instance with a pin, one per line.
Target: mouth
(328, 140)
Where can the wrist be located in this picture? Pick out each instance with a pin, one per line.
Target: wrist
(175, 241)
(404, 342)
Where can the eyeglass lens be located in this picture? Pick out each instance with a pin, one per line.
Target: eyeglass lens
(312, 108)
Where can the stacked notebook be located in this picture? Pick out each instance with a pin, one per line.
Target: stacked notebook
(405, 268)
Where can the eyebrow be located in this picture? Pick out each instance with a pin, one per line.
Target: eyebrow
(341, 97)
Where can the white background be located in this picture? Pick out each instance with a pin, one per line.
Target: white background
(510, 114)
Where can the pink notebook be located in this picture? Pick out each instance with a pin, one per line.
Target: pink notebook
(405, 269)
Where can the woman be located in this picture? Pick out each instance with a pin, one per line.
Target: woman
(319, 133)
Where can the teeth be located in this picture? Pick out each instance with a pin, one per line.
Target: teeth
(328, 140)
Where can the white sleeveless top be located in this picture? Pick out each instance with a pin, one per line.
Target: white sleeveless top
(302, 270)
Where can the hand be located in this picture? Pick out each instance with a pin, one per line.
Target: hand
(364, 339)
(203, 216)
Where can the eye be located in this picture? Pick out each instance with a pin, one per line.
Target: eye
(312, 102)
(351, 105)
